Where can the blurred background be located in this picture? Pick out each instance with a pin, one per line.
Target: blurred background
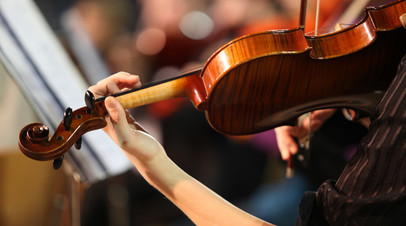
(159, 39)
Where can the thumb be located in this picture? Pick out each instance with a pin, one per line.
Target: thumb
(118, 119)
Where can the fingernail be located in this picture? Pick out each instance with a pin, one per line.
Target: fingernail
(110, 102)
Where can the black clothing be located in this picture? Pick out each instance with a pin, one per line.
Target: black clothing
(372, 188)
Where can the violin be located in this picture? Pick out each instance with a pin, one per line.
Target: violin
(260, 81)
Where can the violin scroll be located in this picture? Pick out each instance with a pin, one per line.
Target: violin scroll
(38, 133)
(36, 143)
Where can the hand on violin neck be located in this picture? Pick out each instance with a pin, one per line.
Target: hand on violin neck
(139, 146)
(115, 83)
(121, 127)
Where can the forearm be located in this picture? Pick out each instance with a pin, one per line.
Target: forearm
(199, 203)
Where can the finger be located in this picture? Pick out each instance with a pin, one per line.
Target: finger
(296, 131)
(118, 119)
(112, 88)
(319, 117)
(122, 80)
(312, 123)
(286, 144)
(109, 130)
(108, 89)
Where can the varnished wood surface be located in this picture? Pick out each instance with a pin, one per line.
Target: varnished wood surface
(343, 42)
(388, 19)
(256, 87)
(34, 142)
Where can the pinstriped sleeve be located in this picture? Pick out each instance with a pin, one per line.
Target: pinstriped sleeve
(372, 188)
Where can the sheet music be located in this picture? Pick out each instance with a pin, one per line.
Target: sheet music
(94, 68)
(37, 62)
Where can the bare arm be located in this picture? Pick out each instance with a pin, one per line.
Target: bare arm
(199, 203)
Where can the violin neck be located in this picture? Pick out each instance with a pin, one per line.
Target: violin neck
(154, 92)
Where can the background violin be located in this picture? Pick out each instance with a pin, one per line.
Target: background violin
(260, 81)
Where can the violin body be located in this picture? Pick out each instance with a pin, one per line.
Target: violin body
(264, 80)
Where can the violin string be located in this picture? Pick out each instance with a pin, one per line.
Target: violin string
(316, 26)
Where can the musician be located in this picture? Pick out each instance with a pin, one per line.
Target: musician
(371, 189)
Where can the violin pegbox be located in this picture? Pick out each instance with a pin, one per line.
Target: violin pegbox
(67, 122)
(90, 101)
(36, 142)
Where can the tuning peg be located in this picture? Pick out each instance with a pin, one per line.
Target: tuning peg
(58, 162)
(90, 101)
(67, 118)
(78, 143)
